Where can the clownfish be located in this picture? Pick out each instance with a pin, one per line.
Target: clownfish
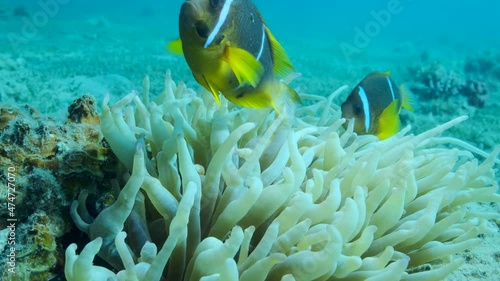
(231, 51)
(375, 104)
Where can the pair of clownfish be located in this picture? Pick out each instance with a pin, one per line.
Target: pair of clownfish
(231, 51)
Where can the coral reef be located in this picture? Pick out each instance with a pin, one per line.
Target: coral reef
(447, 91)
(53, 161)
(476, 93)
(486, 65)
(227, 193)
(435, 82)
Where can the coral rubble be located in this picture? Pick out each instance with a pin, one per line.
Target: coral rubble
(223, 193)
(52, 162)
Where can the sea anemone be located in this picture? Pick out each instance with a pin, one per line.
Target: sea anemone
(229, 193)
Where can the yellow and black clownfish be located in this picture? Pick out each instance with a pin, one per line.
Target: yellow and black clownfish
(375, 103)
(231, 51)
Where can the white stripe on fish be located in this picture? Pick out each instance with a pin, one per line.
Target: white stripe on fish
(366, 107)
(390, 86)
(262, 42)
(222, 18)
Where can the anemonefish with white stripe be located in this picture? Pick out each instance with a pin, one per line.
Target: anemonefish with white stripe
(231, 51)
(375, 103)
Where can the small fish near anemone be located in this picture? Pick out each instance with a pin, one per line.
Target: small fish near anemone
(375, 104)
(231, 51)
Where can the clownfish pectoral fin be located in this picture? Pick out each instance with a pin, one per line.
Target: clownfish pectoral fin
(212, 90)
(245, 66)
(409, 101)
(282, 66)
(388, 122)
(291, 93)
(285, 96)
(175, 47)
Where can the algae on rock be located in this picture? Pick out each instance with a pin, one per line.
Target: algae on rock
(52, 161)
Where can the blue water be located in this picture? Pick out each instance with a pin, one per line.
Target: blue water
(336, 42)
(467, 21)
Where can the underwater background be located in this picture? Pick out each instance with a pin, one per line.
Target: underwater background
(446, 52)
(331, 43)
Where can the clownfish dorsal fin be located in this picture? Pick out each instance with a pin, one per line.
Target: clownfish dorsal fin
(246, 68)
(175, 47)
(282, 65)
(388, 121)
(378, 74)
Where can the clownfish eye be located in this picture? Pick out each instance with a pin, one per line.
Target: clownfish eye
(215, 3)
(357, 109)
(202, 29)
